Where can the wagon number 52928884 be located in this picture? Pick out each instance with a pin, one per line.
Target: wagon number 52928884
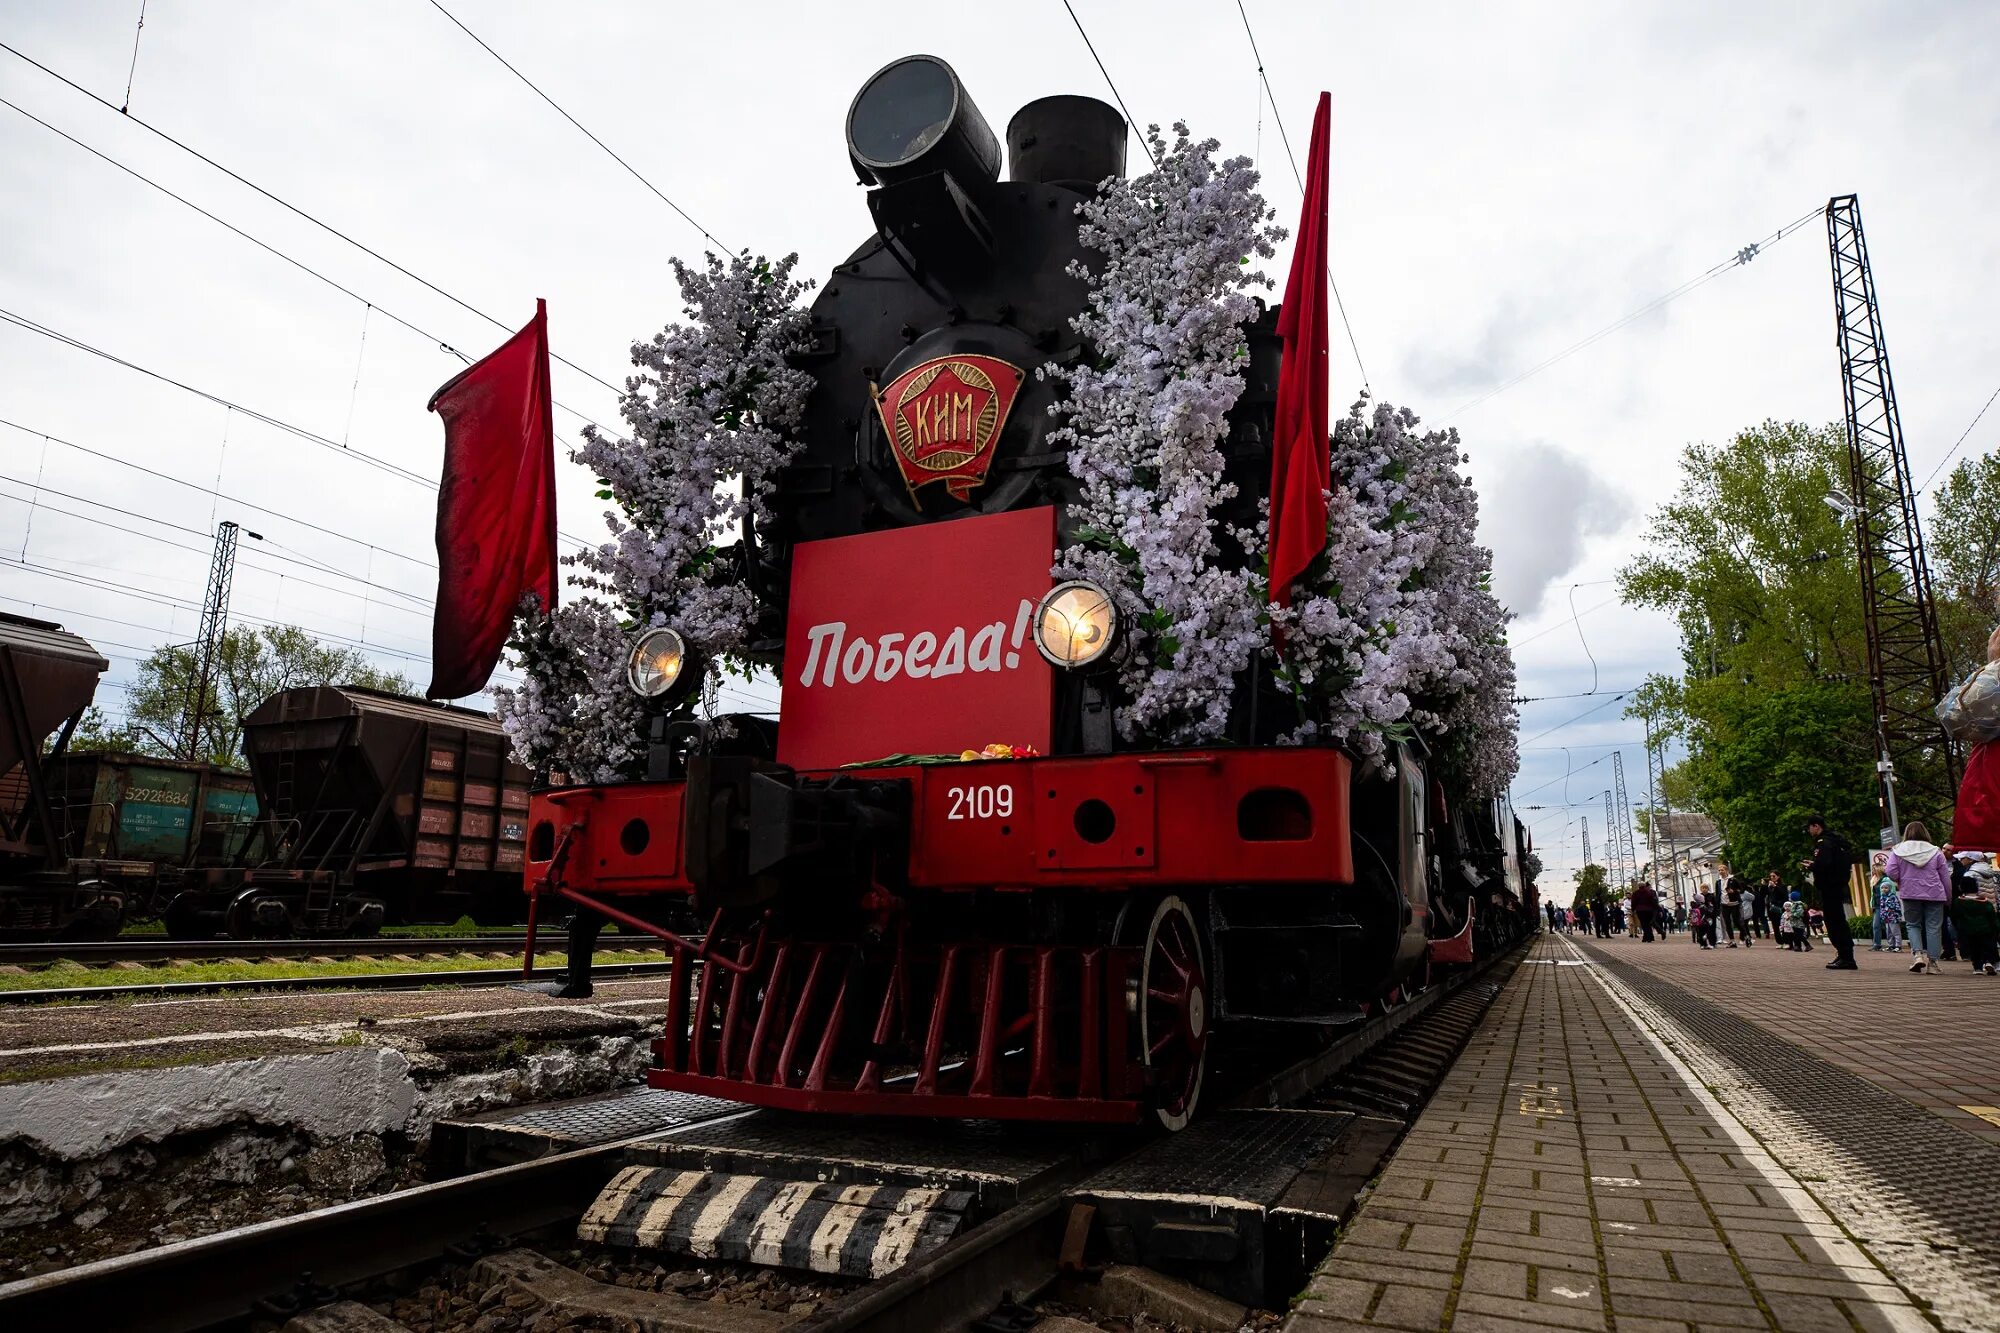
(983, 802)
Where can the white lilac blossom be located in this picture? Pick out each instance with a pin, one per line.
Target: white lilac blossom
(1145, 420)
(1394, 628)
(714, 414)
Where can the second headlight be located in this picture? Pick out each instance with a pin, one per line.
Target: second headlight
(656, 664)
(1076, 624)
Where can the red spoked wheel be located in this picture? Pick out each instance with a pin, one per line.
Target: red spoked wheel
(1173, 1012)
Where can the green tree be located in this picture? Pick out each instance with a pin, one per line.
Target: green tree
(1772, 701)
(1590, 883)
(1963, 552)
(254, 664)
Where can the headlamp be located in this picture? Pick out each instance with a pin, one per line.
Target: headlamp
(656, 663)
(1075, 624)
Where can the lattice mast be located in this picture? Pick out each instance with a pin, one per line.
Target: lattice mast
(1614, 869)
(1661, 821)
(1906, 666)
(1621, 828)
(1585, 821)
(199, 706)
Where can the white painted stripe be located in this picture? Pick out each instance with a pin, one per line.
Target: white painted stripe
(652, 1226)
(898, 1239)
(829, 1239)
(604, 1211)
(767, 1238)
(715, 1215)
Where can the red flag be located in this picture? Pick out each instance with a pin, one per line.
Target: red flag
(1301, 471)
(496, 525)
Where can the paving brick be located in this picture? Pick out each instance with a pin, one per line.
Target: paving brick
(1590, 1317)
(1567, 1166)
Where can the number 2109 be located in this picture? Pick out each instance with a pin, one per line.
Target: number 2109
(980, 802)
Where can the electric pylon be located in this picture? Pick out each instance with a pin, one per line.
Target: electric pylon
(1916, 760)
(198, 707)
(1621, 828)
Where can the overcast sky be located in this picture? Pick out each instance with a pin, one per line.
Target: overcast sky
(1507, 181)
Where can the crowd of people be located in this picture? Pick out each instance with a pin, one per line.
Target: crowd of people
(1944, 902)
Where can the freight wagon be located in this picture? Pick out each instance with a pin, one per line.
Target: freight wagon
(373, 809)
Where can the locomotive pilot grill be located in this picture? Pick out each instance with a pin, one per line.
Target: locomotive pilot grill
(1054, 932)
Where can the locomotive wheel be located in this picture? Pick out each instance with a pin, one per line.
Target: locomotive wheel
(1173, 1012)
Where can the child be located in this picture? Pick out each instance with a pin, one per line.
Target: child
(1698, 920)
(1795, 923)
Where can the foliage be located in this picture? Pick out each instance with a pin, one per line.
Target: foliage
(1963, 550)
(1144, 424)
(1591, 883)
(1395, 627)
(1772, 702)
(253, 665)
(1861, 926)
(713, 412)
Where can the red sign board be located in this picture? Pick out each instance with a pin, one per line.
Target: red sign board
(943, 418)
(916, 641)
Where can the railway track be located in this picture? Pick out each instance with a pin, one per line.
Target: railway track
(1377, 1075)
(468, 978)
(145, 952)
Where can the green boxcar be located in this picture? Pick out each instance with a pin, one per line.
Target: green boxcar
(121, 807)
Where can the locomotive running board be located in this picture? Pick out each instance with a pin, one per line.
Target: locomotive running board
(865, 1231)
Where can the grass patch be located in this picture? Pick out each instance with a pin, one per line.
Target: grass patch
(64, 974)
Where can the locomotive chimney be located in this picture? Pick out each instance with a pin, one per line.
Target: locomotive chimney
(1066, 140)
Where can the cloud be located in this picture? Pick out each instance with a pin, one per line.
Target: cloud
(1537, 514)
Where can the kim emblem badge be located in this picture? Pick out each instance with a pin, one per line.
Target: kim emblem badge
(944, 418)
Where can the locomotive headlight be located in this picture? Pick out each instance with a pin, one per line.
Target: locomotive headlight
(1075, 624)
(657, 661)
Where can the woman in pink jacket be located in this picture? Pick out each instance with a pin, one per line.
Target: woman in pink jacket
(1923, 874)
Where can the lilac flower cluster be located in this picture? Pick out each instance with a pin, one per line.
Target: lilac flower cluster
(1144, 422)
(714, 414)
(1394, 627)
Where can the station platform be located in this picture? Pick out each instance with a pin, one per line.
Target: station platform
(1650, 1137)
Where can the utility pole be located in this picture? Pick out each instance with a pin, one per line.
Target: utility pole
(1906, 667)
(1585, 821)
(207, 646)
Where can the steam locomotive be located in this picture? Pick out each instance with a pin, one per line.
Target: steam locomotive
(1055, 926)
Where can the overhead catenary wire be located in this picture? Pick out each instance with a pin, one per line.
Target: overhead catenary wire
(310, 436)
(1286, 139)
(424, 604)
(286, 204)
(132, 69)
(1953, 451)
(1738, 260)
(1109, 82)
(216, 493)
(369, 306)
(632, 170)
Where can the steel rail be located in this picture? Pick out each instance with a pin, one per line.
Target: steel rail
(1017, 1255)
(485, 976)
(98, 952)
(279, 1267)
(225, 1279)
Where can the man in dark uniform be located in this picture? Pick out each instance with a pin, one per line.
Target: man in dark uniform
(1831, 863)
